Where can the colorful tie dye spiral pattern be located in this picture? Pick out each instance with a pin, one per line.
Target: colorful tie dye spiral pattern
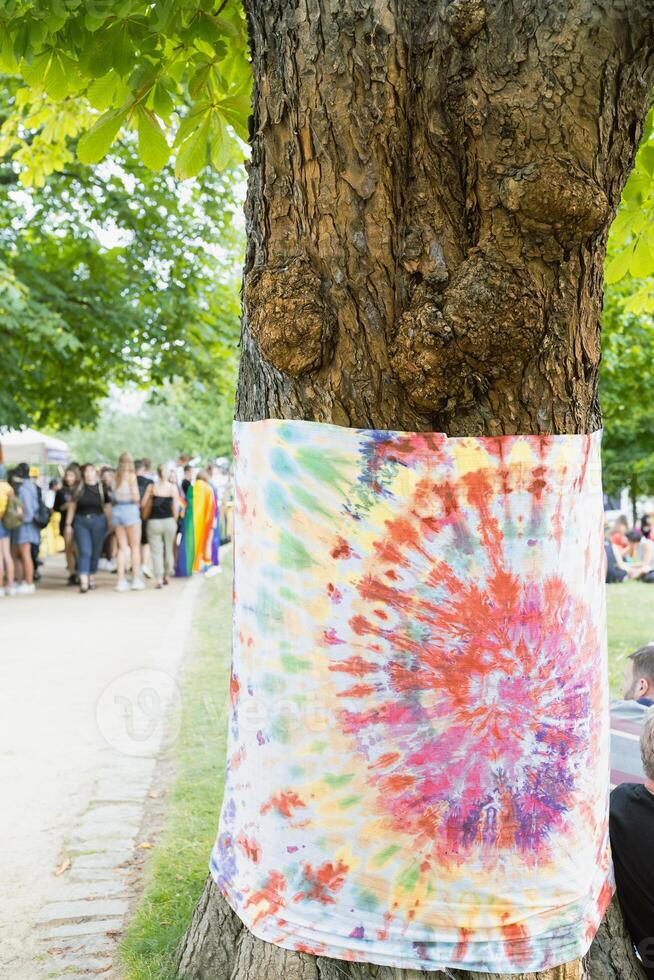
(418, 770)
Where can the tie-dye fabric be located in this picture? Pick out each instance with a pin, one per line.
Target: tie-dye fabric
(418, 767)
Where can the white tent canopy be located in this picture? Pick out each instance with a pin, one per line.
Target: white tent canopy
(30, 446)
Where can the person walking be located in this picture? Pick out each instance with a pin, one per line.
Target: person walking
(126, 517)
(28, 534)
(144, 480)
(7, 586)
(63, 499)
(161, 506)
(88, 516)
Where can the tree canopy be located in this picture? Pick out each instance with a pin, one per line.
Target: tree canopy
(175, 71)
(112, 275)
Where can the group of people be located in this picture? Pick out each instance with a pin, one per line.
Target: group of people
(124, 519)
(630, 550)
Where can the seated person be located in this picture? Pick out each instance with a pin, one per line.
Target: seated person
(628, 716)
(617, 566)
(631, 826)
(639, 550)
(619, 533)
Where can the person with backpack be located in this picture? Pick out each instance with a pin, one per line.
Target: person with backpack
(41, 519)
(27, 534)
(10, 510)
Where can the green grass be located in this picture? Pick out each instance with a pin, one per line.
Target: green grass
(179, 864)
(178, 867)
(630, 614)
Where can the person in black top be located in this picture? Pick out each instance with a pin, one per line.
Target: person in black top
(141, 466)
(63, 497)
(631, 826)
(161, 507)
(88, 517)
(188, 479)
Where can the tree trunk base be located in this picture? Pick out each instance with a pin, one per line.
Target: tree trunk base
(217, 946)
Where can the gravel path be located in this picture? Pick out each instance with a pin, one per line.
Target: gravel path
(87, 683)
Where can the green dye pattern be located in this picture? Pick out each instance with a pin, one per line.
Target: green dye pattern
(310, 502)
(367, 901)
(336, 781)
(292, 553)
(409, 877)
(288, 433)
(385, 855)
(281, 729)
(267, 611)
(326, 469)
(281, 464)
(277, 503)
(285, 593)
(318, 747)
(272, 684)
(294, 665)
(348, 802)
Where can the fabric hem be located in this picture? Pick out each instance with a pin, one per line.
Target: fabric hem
(305, 938)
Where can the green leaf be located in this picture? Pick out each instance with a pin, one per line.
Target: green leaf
(58, 76)
(101, 92)
(153, 148)
(162, 102)
(35, 73)
(192, 154)
(94, 145)
(619, 265)
(642, 261)
(219, 143)
(646, 159)
(191, 122)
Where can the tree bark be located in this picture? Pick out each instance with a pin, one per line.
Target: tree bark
(430, 193)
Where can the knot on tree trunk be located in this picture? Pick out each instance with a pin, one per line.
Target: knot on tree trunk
(289, 316)
(478, 334)
(466, 18)
(554, 197)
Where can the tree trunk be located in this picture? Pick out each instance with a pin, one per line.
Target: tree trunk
(430, 193)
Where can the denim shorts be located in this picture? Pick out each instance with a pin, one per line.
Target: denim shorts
(4, 533)
(125, 515)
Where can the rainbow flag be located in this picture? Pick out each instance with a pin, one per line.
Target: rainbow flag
(195, 549)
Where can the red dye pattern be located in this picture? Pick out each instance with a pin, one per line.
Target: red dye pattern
(250, 847)
(330, 637)
(285, 803)
(271, 896)
(517, 945)
(462, 945)
(335, 594)
(234, 688)
(341, 549)
(489, 686)
(354, 665)
(318, 884)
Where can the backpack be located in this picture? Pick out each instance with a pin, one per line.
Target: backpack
(13, 515)
(42, 516)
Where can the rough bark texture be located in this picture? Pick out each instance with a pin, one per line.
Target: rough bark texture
(430, 193)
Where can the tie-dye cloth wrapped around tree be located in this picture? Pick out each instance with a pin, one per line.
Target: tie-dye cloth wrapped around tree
(418, 769)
